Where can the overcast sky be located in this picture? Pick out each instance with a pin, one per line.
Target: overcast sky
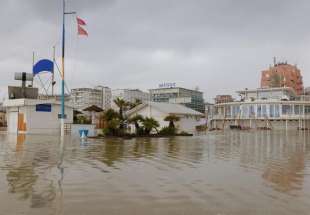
(218, 45)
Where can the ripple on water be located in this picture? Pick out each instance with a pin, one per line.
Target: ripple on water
(220, 173)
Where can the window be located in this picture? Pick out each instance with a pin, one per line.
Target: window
(286, 110)
(272, 111)
(297, 110)
(252, 111)
(259, 111)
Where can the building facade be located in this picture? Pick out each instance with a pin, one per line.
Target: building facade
(190, 98)
(84, 97)
(282, 75)
(130, 95)
(106, 97)
(35, 116)
(264, 108)
(99, 96)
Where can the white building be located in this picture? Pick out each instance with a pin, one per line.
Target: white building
(85, 97)
(264, 108)
(34, 116)
(189, 118)
(130, 95)
(106, 97)
(99, 96)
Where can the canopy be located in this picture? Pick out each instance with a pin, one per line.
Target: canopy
(44, 65)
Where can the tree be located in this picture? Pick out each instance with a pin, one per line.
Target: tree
(172, 119)
(109, 115)
(136, 120)
(149, 124)
(122, 104)
(111, 122)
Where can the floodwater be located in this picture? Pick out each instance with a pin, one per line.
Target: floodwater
(232, 173)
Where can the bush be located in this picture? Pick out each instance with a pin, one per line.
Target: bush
(168, 131)
(184, 133)
(82, 120)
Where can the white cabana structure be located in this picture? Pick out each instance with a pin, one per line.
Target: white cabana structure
(189, 118)
(35, 116)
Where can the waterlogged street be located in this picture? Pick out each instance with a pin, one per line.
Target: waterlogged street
(259, 172)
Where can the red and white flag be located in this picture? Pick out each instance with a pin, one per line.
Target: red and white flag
(81, 30)
(80, 21)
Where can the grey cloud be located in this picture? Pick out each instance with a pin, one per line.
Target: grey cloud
(220, 46)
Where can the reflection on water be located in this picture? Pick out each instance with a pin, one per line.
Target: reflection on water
(219, 173)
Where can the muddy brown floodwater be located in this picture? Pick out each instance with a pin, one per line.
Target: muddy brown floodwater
(232, 173)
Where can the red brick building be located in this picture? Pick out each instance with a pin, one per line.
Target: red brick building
(283, 75)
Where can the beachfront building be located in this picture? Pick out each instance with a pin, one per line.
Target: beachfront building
(35, 116)
(189, 118)
(130, 95)
(177, 95)
(264, 108)
(99, 96)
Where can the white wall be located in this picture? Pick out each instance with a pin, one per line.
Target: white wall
(38, 122)
(187, 124)
(12, 120)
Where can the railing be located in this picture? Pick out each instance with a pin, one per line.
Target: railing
(283, 117)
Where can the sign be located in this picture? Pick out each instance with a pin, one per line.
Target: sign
(43, 108)
(59, 116)
(167, 85)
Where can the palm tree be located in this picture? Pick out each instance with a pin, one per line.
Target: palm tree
(122, 104)
(149, 124)
(111, 121)
(109, 115)
(172, 119)
(135, 120)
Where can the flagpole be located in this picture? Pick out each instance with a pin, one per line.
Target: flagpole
(62, 119)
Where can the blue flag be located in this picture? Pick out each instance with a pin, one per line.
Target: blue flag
(43, 66)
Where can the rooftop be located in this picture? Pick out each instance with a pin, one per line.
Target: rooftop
(168, 108)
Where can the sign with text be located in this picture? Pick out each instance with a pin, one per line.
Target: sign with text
(167, 85)
(43, 108)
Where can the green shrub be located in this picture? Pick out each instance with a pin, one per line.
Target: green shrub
(168, 131)
(184, 133)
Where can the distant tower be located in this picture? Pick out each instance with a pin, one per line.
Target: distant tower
(282, 74)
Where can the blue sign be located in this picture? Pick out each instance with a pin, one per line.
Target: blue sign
(43, 108)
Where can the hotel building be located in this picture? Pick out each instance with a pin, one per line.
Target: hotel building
(190, 98)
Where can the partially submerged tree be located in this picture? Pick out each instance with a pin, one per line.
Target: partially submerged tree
(136, 120)
(172, 119)
(111, 122)
(149, 124)
(122, 105)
